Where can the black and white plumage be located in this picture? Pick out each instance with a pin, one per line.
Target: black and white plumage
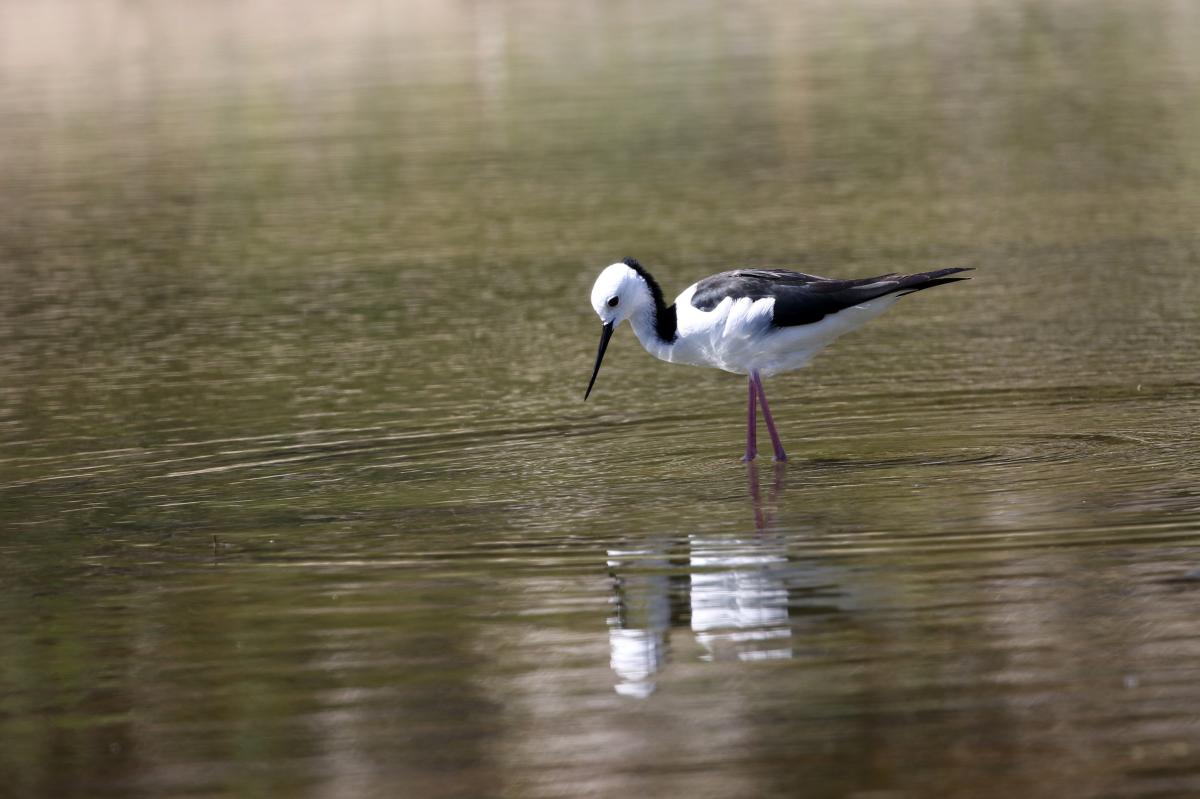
(802, 299)
(748, 321)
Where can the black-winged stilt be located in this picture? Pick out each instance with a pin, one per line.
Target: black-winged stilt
(751, 322)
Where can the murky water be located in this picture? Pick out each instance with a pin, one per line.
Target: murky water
(298, 495)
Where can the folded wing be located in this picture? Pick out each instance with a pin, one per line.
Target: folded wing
(802, 299)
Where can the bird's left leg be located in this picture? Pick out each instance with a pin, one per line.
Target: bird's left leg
(751, 426)
(780, 455)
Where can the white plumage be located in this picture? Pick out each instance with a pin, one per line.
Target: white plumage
(738, 335)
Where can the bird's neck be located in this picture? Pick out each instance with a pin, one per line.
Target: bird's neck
(654, 324)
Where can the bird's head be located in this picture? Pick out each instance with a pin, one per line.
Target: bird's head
(616, 294)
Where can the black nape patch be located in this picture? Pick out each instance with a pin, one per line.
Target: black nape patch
(666, 324)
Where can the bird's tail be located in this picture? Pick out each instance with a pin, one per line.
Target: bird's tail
(927, 280)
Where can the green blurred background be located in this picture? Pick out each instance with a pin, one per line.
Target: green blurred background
(298, 495)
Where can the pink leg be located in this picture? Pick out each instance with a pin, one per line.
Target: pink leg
(751, 426)
(780, 455)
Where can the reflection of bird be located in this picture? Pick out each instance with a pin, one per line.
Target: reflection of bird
(751, 321)
(643, 604)
(739, 597)
(731, 591)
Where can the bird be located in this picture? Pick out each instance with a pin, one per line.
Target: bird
(753, 322)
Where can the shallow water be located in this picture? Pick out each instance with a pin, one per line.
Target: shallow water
(298, 495)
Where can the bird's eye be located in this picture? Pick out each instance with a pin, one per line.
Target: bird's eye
(612, 301)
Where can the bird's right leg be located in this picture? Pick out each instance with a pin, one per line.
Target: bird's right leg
(780, 455)
(752, 424)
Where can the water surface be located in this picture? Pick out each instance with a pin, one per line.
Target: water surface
(298, 495)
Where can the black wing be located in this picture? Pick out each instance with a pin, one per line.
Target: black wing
(802, 299)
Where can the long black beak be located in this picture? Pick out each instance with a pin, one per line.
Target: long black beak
(605, 335)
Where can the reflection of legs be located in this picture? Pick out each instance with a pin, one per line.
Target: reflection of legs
(760, 519)
(780, 455)
(777, 485)
(751, 426)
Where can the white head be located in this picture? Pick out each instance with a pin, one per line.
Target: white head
(617, 293)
